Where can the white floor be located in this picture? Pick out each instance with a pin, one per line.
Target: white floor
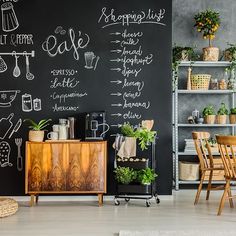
(85, 218)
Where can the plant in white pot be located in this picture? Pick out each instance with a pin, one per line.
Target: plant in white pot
(222, 114)
(207, 22)
(209, 114)
(36, 133)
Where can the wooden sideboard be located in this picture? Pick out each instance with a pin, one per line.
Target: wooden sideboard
(66, 168)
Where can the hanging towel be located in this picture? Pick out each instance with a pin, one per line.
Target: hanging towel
(127, 148)
(118, 141)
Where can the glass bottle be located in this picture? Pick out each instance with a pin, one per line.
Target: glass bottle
(231, 81)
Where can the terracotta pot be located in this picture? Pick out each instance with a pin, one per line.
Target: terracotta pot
(232, 119)
(210, 119)
(221, 119)
(211, 54)
(36, 135)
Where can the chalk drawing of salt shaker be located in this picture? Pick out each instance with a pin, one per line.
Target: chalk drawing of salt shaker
(37, 104)
(26, 102)
(9, 19)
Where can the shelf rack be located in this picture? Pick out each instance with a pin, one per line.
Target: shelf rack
(176, 125)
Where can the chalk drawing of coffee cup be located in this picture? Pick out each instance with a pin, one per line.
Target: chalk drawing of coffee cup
(89, 58)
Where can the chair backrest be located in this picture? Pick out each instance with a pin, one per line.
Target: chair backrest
(227, 147)
(203, 149)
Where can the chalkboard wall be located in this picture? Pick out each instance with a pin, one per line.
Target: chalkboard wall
(64, 58)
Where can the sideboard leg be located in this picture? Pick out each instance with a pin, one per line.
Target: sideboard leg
(37, 199)
(100, 199)
(31, 200)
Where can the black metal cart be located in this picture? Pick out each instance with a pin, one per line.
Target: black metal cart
(138, 191)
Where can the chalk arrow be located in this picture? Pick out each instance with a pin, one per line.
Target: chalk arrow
(116, 94)
(118, 125)
(116, 105)
(115, 41)
(117, 60)
(116, 69)
(116, 81)
(116, 114)
(115, 33)
(116, 50)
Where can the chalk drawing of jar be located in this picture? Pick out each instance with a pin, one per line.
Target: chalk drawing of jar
(9, 19)
(27, 103)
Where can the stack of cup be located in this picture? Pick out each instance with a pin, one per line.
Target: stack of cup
(54, 134)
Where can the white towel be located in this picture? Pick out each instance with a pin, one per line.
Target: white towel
(127, 148)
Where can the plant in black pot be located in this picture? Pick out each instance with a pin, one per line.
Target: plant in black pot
(146, 176)
(125, 175)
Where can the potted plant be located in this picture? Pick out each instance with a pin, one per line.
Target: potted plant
(146, 176)
(125, 175)
(222, 114)
(144, 136)
(207, 22)
(232, 116)
(183, 53)
(209, 114)
(36, 133)
(230, 52)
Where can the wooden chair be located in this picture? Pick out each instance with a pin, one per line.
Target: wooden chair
(205, 157)
(227, 147)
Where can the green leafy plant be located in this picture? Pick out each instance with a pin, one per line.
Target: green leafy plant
(233, 111)
(125, 175)
(146, 176)
(223, 110)
(41, 125)
(212, 142)
(127, 130)
(145, 137)
(209, 110)
(207, 22)
(231, 52)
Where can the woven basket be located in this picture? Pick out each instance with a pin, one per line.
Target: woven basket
(8, 207)
(200, 81)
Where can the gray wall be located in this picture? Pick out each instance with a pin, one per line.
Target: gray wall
(184, 34)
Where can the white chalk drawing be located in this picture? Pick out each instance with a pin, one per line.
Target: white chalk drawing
(7, 97)
(29, 75)
(20, 39)
(16, 127)
(89, 58)
(74, 41)
(5, 151)
(109, 17)
(5, 125)
(18, 142)
(3, 65)
(27, 105)
(37, 104)
(9, 19)
(16, 71)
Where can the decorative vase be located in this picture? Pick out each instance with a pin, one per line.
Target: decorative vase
(232, 119)
(211, 54)
(221, 119)
(210, 119)
(36, 135)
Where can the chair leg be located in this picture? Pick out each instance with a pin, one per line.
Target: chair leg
(222, 201)
(231, 203)
(209, 185)
(199, 188)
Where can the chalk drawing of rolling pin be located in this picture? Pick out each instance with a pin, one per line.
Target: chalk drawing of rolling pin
(5, 126)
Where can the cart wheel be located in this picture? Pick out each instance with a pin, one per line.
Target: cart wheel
(127, 199)
(148, 203)
(157, 200)
(117, 202)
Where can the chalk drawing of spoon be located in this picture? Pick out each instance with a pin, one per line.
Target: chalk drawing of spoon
(16, 71)
(29, 75)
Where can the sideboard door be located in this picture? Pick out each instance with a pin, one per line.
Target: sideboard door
(87, 167)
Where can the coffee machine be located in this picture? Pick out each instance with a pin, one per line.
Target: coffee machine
(95, 125)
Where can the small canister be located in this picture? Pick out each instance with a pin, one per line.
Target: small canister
(222, 84)
(214, 84)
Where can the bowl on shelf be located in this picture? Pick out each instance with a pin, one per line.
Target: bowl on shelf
(7, 97)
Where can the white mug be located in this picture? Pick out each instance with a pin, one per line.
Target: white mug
(53, 135)
(55, 128)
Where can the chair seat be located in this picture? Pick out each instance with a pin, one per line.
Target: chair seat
(8, 206)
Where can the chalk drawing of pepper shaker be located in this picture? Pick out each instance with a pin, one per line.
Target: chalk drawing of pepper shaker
(9, 19)
(37, 104)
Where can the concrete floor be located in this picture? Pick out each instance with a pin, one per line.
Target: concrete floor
(85, 218)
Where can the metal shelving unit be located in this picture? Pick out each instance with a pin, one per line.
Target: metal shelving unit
(176, 125)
